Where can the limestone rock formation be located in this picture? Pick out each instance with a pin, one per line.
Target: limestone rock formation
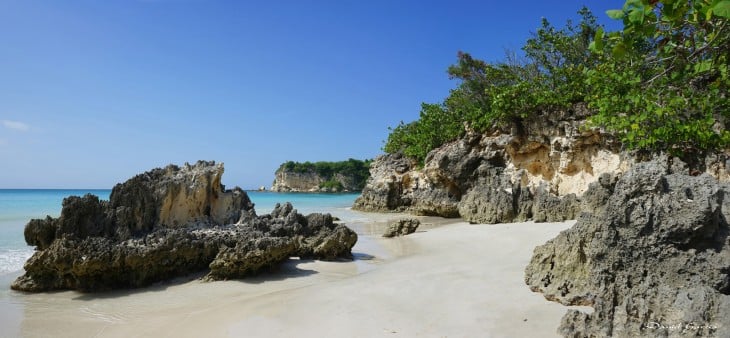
(653, 262)
(343, 176)
(402, 227)
(289, 181)
(166, 223)
(537, 171)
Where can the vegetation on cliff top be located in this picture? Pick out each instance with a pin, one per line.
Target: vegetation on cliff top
(358, 170)
(661, 84)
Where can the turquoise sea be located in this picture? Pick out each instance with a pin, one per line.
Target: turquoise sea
(18, 206)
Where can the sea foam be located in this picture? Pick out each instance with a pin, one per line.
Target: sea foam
(12, 260)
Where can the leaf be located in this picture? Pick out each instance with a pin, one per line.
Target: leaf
(597, 43)
(703, 66)
(722, 9)
(619, 50)
(636, 15)
(592, 47)
(615, 14)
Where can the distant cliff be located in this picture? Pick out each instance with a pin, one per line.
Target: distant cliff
(343, 176)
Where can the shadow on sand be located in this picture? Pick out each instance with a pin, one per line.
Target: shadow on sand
(286, 270)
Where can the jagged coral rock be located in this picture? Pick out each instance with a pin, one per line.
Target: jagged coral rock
(166, 223)
(655, 261)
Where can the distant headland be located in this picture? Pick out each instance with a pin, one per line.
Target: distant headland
(343, 176)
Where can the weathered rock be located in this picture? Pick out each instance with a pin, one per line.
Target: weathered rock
(326, 239)
(175, 196)
(250, 257)
(550, 208)
(488, 205)
(596, 198)
(286, 181)
(402, 227)
(40, 232)
(390, 177)
(181, 221)
(538, 170)
(655, 261)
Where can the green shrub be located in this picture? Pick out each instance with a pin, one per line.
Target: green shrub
(660, 84)
(332, 185)
(501, 95)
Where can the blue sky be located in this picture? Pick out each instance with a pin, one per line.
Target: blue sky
(94, 92)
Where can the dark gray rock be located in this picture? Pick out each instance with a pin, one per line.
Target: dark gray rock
(484, 204)
(384, 190)
(551, 208)
(250, 257)
(40, 232)
(402, 227)
(325, 239)
(83, 217)
(524, 202)
(655, 261)
(183, 221)
(596, 198)
(488, 205)
(434, 202)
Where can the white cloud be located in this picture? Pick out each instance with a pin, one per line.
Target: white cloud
(15, 125)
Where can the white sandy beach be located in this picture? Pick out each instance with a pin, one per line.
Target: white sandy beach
(455, 280)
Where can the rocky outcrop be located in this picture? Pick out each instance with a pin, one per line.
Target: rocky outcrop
(654, 261)
(166, 223)
(402, 227)
(537, 171)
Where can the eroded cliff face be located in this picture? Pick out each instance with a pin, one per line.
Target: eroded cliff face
(166, 223)
(286, 181)
(540, 170)
(292, 181)
(537, 171)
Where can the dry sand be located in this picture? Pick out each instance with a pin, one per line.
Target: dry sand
(454, 280)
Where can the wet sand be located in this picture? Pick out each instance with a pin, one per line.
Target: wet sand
(446, 280)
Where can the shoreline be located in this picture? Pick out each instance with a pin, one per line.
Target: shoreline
(450, 278)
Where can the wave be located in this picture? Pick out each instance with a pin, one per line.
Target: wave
(12, 260)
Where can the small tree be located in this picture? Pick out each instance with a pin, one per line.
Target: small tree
(662, 83)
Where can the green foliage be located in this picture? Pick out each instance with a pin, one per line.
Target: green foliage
(662, 83)
(501, 95)
(436, 126)
(331, 185)
(357, 169)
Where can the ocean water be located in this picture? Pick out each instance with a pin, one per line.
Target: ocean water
(18, 206)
